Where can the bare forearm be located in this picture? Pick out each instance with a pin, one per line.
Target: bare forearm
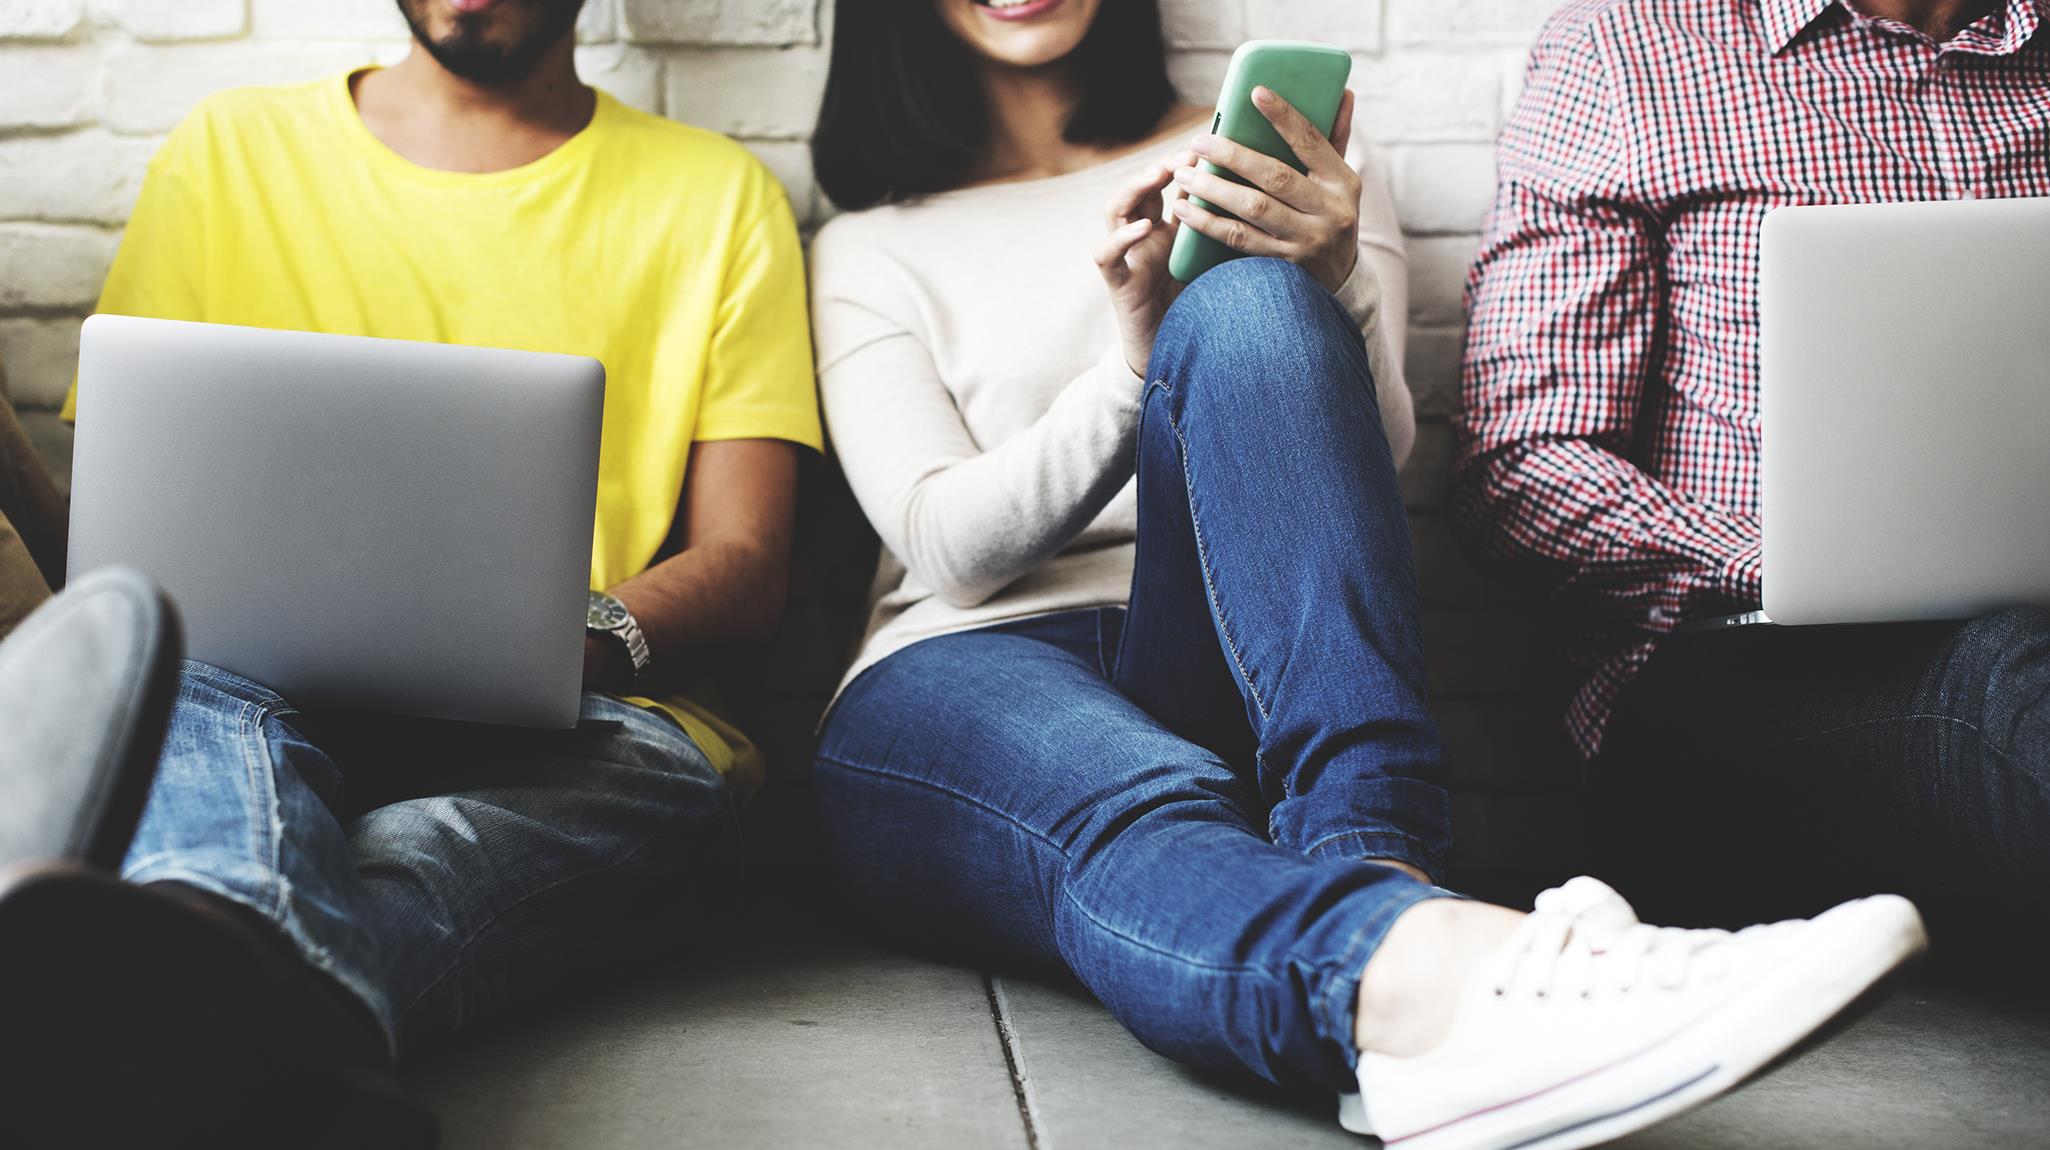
(726, 585)
(710, 597)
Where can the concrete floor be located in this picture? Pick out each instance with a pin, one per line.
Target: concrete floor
(804, 1038)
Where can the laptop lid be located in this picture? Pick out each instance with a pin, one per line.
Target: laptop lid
(1906, 410)
(358, 524)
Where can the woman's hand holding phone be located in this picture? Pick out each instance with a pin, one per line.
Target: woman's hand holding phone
(1309, 219)
(1133, 260)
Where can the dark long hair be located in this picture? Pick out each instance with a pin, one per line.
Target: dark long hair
(904, 113)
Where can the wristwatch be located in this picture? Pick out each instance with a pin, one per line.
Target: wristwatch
(609, 616)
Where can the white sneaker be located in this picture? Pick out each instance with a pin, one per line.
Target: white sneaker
(1587, 1025)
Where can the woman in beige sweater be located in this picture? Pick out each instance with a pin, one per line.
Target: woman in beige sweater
(1142, 693)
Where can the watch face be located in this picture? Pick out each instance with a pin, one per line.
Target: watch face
(606, 613)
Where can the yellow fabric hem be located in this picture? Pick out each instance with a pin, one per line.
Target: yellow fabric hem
(731, 752)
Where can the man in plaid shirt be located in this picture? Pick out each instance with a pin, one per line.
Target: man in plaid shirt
(1609, 447)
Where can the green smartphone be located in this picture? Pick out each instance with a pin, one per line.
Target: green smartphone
(1309, 76)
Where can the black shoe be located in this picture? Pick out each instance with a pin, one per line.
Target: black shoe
(163, 1016)
(86, 684)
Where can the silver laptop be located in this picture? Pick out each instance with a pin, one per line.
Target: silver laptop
(1905, 400)
(359, 524)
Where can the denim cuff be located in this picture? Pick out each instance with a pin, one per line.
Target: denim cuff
(1339, 993)
(1380, 846)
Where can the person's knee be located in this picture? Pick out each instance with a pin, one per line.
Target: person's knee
(641, 739)
(1246, 325)
(648, 779)
(1162, 786)
(209, 685)
(421, 837)
(213, 704)
(1994, 673)
(1250, 287)
(2002, 632)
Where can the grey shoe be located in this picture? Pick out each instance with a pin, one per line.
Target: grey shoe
(86, 685)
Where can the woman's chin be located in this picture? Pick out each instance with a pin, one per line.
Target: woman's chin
(1028, 56)
(1029, 35)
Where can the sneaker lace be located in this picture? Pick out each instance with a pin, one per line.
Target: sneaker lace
(1584, 940)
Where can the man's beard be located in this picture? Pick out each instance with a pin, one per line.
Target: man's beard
(466, 52)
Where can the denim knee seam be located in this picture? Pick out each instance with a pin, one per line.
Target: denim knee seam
(1204, 565)
(928, 784)
(2001, 753)
(256, 759)
(256, 763)
(1914, 717)
(1151, 948)
(1224, 629)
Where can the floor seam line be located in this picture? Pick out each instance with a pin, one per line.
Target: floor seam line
(1014, 1061)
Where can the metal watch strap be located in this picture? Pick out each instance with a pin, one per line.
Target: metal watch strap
(606, 615)
(636, 643)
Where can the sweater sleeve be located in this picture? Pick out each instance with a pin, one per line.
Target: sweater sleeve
(965, 520)
(1377, 297)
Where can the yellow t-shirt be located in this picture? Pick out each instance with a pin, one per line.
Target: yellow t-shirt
(666, 252)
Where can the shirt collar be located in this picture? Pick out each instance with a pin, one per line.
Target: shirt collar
(1785, 20)
(2023, 18)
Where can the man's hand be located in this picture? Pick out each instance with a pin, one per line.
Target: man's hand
(727, 582)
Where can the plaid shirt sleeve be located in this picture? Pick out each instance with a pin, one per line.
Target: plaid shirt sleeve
(1565, 303)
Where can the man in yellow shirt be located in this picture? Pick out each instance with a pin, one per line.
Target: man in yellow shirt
(316, 897)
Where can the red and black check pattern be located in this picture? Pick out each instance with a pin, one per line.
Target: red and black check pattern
(1609, 446)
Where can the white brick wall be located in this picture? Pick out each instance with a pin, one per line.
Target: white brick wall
(88, 87)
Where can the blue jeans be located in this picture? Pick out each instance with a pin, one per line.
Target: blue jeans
(1908, 757)
(437, 875)
(1177, 801)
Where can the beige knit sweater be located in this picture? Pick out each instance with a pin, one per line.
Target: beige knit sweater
(977, 396)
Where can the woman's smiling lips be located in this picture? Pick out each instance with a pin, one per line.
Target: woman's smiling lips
(1017, 9)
